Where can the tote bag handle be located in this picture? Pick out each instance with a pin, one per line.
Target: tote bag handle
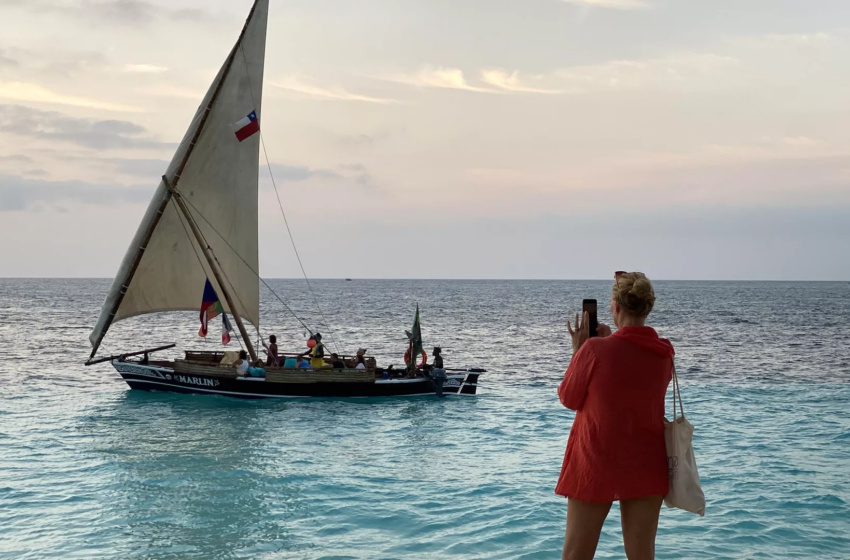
(677, 394)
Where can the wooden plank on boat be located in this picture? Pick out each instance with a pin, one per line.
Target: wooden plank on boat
(280, 375)
(193, 368)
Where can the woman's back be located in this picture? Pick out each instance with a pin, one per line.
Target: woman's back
(616, 450)
(616, 447)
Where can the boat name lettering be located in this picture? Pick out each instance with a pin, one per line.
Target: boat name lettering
(196, 381)
(452, 383)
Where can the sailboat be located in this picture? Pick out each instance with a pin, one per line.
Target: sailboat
(198, 239)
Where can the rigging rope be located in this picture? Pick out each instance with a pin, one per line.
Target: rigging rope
(280, 205)
(235, 252)
(221, 268)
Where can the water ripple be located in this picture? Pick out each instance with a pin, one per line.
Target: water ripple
(89, 469)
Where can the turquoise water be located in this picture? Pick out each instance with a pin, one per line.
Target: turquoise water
(89, 469)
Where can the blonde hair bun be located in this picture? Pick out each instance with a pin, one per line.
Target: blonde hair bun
(634, 293)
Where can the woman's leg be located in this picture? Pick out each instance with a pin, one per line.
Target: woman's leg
(640, 523)
(584, 524)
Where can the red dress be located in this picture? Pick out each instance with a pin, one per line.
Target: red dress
(616, 447)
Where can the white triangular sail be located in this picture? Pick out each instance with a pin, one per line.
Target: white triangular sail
(164, 269)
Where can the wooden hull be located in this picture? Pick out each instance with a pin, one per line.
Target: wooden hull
(163, 378)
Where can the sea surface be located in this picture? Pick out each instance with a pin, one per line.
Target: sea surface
(91, 469)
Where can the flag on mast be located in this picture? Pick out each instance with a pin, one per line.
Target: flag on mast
(210, 308)
(247, 127)
(415, 337)
(225, 329)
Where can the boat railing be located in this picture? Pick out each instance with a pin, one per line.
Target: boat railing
(214, 358)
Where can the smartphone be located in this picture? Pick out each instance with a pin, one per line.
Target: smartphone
(589, 306)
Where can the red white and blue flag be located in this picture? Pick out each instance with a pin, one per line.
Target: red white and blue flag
(210, 307)
(247, 127)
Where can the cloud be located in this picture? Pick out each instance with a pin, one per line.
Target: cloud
(36, 173)
(16, 158)
(124, 12)
(355, 172)
(800, 39)
(121, 11)
(6, 60)
(681, 69)
(34, 93)
(166, 90)
(50, 62)
(445, 78)
(19, 193)
(145, 68)
(382, 135)
(89, 133)
(194, 15)
(800, 42)
(611, 4)
(295, 83)
(149, 168)
(296, 173)
(794, 141)
(512, 82)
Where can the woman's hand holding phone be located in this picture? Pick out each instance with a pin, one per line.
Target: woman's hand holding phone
(581, 332)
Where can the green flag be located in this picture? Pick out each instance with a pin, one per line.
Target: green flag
(415, 337)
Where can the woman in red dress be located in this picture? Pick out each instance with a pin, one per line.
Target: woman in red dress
(616, 452)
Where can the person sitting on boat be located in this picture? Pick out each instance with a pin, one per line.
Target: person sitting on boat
(436, 371)
(336, 362)
(361, 362)
(438, 358)
(352, 362)
(244, 367)
(311, 346)
(271, 350)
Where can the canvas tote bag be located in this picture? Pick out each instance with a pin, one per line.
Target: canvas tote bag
(685, 490)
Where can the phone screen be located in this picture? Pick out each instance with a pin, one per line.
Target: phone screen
(589, 306)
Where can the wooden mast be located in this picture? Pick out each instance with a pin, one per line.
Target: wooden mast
(211, 261)
(171, 190)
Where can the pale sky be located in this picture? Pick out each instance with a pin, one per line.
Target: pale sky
(690, 139)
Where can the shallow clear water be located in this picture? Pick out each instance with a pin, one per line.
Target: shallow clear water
(90, 469)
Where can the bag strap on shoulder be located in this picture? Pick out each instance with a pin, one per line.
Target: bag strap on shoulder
(677, 394)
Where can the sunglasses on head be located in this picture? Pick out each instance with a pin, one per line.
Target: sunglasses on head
(620, 273)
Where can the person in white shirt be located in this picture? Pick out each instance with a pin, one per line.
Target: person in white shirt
(361, 362)
(244, 367)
